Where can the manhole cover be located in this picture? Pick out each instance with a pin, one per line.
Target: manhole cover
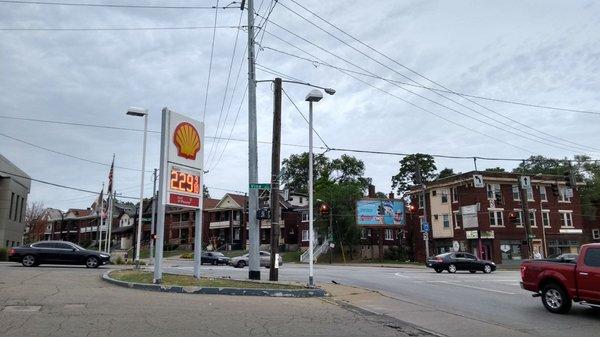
(22, 308)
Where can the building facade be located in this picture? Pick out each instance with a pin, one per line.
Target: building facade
(14, 189)
(554, 215)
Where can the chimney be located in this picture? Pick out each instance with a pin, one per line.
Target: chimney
(391, 195)
(371, 191)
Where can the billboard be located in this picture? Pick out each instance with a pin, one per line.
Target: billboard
(379, 212)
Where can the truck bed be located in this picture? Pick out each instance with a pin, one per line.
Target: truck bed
(537, 272)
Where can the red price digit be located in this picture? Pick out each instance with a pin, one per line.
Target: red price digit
(174, 177)
(181, 181)
(190, 183)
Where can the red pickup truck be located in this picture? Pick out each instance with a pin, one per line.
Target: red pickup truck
(559, 283)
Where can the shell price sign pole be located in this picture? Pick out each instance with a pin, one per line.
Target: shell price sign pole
(181, 178)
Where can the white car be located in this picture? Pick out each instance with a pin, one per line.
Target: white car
(265, 260)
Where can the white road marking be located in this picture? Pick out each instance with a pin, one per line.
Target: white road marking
(472, 287)
(400, 275)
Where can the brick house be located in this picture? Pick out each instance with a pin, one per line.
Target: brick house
(556, 221)
(591, 226)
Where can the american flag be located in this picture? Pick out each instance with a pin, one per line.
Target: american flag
(110, 176)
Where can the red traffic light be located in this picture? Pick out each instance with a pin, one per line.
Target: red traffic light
(324, 209)
(411, 208)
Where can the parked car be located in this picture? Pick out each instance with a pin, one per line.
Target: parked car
(57, 252)
(560, 283)
(265, 260)
(452, 262)
(564, 257)
(214, 258)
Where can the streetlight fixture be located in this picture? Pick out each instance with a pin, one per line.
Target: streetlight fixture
(140, 112)
(314, 95)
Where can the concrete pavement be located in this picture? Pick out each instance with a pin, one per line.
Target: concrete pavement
(73, 301)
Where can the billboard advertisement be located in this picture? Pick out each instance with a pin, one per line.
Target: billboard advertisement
(379, 212)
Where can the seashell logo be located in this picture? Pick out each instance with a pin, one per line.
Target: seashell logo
(187, 140)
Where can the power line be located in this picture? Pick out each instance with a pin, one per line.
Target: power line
(49, 3)
(440, 85)
(122, 28)
(68, 155)
(316, 63)
(212, 50)
(510, 127)
(212, 145)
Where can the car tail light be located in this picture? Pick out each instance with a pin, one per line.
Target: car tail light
(11, 251)
(523, 268)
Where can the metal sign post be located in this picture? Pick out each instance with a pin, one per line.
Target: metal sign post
(181, 178)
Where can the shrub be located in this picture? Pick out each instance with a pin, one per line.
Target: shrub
(171, 246)
(3, 254)
(187, 256)
(395, 253)
(119, 260)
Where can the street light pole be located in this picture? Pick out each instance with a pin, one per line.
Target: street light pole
(154, 196)
(140, 113)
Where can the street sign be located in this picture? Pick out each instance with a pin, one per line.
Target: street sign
(569, 192)
(260, 186)
(478, 181)
(425, 227)
(525, 182)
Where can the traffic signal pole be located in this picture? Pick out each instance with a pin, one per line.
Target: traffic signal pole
(523, 194)
(275, 168)
(425, 234)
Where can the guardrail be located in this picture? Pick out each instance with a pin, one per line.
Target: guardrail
(317, 251)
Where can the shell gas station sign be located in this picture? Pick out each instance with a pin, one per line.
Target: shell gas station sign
(182, 154)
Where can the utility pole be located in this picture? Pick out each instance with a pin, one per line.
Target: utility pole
(330, 233)
(154, 196)
(425, 234)
(253, 232)
(275, 168)
(523, 193)
(100, 223)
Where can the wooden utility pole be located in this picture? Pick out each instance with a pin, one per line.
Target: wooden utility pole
(275, 160)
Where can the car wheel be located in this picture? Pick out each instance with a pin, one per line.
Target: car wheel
(241, 264)
(452, 269)
(29, 261)
(555, 299)
(92, 262)
(487, 269)
(438, 270)
(214, 263)
(472, 271)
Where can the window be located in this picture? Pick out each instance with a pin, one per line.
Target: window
(457, 219)
(592, 257)
(236, 234)
(263, 235)
(562, 195)
(543, 195)
(515, 192)
(532, 222)
(433, 193)
(567, 219)
(470, 257)
(496, 218)
(21, 211)
(444, 197)
(596, 234)
(10, 211)
(530, 194)
(185, 216)
(520, 217)
(546, 218)
(389, 234)
(304, 216)
(421, 201)
(304, 235)
(63, 246)
(454, 194)
(446, 220)
(493, 190)
(292, 230)
(17, 207)
(363, 233)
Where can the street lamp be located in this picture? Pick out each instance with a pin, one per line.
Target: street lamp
(314, 95)
(140, 112)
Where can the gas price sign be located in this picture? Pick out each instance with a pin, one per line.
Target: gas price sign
(184, 186)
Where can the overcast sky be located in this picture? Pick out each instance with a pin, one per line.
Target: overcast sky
(539, 52)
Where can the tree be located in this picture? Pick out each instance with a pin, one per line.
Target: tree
(380, 195)
(295, 170)
(34, 217)
(205, 192)
(542, 165)
(495, 169)
(447, 172)
(348, 169)
(407, 174)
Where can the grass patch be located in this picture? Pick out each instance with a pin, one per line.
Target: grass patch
(186, 281)
(144, 253)
(291, 256)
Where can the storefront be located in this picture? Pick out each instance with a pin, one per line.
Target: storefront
(563, 246)
(511, 251)
(487, 243)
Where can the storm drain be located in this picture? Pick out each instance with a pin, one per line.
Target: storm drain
(22, 308)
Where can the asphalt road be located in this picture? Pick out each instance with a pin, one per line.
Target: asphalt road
(460, 304)
(66, 301)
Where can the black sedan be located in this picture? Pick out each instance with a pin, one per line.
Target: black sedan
(214, 258)
(460, 261)
(57, 252)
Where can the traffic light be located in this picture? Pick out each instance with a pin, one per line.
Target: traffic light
(513, 218)
(411, 209)
(555, 190)
(324, 209)
(568, 177)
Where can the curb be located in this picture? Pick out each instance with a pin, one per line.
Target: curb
(300, 293)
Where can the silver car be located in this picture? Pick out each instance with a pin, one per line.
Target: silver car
(265, 260)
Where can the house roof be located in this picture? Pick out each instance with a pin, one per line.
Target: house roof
(10, 170)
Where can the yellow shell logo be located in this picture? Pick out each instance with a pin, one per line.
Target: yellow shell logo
(187, 140)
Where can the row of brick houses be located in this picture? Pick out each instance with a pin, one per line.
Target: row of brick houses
(556, 220)
(224, 224)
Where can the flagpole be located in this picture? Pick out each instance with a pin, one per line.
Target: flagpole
(99, 228)
(110, 217)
